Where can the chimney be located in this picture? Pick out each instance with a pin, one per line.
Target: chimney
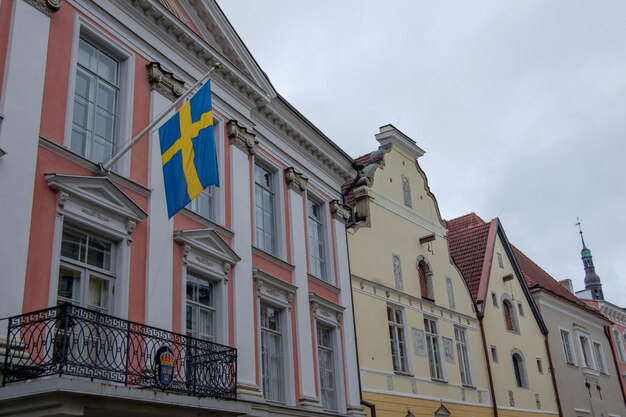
(567, 283)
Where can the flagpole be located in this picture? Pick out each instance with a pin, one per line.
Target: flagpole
(106, 166)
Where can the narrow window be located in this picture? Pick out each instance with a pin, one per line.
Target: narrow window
(397, 340)
(585, 351)
(434, 353)
(450, 290)
(204, 204)
(200, 308)
(510, 319)
(567, 347)
(539, 366)
(425, 285)
(619, 345)
(264, 220)
(494, 299)
(317, 250)
(406, 192)
(462, 352)
(494, 354)
(500, 263)
(519, 370)
(599, 356)
(96, 103)
(325, 355)
(520, 308)
(272, 354)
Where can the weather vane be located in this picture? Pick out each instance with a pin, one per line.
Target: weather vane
(580, 230)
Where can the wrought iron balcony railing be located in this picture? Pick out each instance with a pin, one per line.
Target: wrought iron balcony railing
(70, 340)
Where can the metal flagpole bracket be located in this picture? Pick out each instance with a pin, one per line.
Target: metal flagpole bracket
(105, 167)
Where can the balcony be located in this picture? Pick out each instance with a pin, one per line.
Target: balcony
(72, 341)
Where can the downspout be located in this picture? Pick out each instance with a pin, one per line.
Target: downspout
(481, 315)
(607, 332)
(553, 372)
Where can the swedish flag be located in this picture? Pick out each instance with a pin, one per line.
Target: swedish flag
(188, 151)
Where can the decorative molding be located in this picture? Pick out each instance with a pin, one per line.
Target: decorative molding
(62, 197)
(339, 211)
(295, 180)
(46, 7)
(130, 228)
(241, 137)
(164, 81)
(186, 250)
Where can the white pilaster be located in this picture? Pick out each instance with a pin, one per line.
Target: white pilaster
(242, 273)
(20, 106)
(353, 397)
(159, 283)
(308, 372)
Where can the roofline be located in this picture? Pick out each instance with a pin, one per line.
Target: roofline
(487, 261)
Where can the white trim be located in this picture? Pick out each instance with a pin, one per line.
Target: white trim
(337, 359)
(569, 332)
(427, 397)
(127, 83)
(325, 217)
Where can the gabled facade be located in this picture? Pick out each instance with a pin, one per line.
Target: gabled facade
(586, 375)
(419, 340)
(515, 337)
(244, 294)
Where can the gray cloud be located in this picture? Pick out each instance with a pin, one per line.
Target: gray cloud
(520, 106)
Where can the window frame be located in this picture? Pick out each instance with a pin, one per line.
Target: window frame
(322, 223)
(620, 345)
(433, 348)
(464, 355)
(281, 332)
(601, 365)
(425, 281)
(494, 300)
(520, 373)
(494, 353)
(585, 350)
(332, 350)
(276, 183)
(509, 307)
(397, 339)
(568, 347)
(86, 30)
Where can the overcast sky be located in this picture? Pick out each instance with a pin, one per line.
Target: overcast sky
(520, 106)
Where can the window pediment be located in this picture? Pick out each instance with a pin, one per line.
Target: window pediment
(208, 242)
(97, 192)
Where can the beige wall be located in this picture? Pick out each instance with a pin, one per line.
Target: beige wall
(576, 399)
(396, 230)
(529, 341)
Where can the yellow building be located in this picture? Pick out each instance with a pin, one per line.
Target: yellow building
(419, 341)
(519, 367)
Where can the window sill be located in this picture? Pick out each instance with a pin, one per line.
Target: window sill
(513, 332)
(468, 386)
(324, 284)
(400, 373)
(439, 381)
(571, 365)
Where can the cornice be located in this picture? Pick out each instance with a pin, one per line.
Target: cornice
(46, 7)
(241, 137)
(164, 81)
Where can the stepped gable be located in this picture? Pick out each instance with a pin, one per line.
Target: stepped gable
(467, 239)
(536, 277)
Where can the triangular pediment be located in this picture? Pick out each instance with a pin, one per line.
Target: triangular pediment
(442, 411)
(205, 19)
(209, 242)
(97, 191)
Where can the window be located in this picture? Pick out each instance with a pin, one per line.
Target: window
(96, 103)
(494, 299)
(519, 370)
(434, 353)
(425, 281)
(204, 204)
(200, 308)
(397, 340)
(317, 249)
(406, 192)
(325, 357)
(86, 272)
(510, 318)
(539, 366)
(585, 351)
(494, 354)
(272, 354)
(567, 347)
(619, 345)
(500, 263)
(462, 352)
(520, 308)
(599, 357)
(264, 209)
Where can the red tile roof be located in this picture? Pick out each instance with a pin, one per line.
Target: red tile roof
(363, 160)
(536, 277)
(467, 239)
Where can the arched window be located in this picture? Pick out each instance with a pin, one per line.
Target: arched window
(519, 370)
(425, 277)
(510, 317)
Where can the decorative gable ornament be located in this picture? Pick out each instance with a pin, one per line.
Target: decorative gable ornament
(442, 411)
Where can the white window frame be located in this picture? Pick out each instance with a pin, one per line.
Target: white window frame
(277, 294)
(598, 354)
(217, 192)
(395, 342)
(277, 181)
(587, 361)
(567, 345)
(327, 275)
(620, 345)
(83, 28)
(465, 360)
(434, 350)
(329, 315)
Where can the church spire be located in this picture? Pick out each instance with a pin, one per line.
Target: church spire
(592, 280)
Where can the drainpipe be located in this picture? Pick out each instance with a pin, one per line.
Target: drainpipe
(607, 332)
(553, 372)
(481, 315)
